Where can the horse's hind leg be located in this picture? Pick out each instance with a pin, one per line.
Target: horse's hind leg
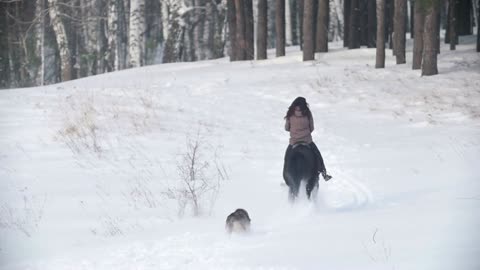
(293, 193)
(311, 185)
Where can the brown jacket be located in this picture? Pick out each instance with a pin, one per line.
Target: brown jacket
(300, 128)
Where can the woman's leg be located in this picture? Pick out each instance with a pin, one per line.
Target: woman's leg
(321, 164)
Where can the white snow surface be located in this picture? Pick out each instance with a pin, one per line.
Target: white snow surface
(85, 164)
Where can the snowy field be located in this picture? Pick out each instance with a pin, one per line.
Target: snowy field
(86, 166)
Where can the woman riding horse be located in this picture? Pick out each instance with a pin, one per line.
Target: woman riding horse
(299, 122)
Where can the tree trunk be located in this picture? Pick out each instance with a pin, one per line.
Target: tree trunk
(173, 49)
(321, 37)
(389, 18)
(153, 36)
(308, 34)
(262, 29)
(294, 21)
(354, 30)
(288, 24)
(478, 26)
(4, 48)
(380, 57)
(112, 53)
(136, 32)
(62, 41)
(249, 32)
(430, 39)
(372, 24)
(40, 42)
(412, 18)
(280, 27)
(418, 27)
(232, 29)
(452, 33)
(347, 6)
(240, 23)
(301, 10)
(399, 30)
(338, 8)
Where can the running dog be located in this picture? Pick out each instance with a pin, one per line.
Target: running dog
(238, 221)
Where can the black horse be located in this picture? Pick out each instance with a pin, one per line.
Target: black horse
(301, 166)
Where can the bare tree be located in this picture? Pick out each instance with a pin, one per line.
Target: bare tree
(308, 34)
(380, 56)
(280, 27)
(430, 39)
(418, 27)
(201, 174)
(399, 30)
(262, 30)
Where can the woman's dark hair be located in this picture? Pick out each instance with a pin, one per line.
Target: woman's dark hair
(300, 102)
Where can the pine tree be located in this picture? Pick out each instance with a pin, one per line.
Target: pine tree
(308, 34)
(419, 24)
(321, 37)
(399, 30)
(280, 27)
(380, 56)
(262, 24)
(430, 37)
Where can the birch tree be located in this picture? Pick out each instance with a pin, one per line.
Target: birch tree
(40, 41)
(136, 32)
(62, 41)
(288, 24)
(113, 51)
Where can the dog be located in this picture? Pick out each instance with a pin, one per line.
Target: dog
(238, 221)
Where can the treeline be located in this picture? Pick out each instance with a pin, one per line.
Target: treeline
(48, 41)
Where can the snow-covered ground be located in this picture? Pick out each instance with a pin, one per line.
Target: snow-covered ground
(85, 166)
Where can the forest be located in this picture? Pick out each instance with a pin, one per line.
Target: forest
(48, 41)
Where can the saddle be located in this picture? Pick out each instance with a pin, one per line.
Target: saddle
(301, 143)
